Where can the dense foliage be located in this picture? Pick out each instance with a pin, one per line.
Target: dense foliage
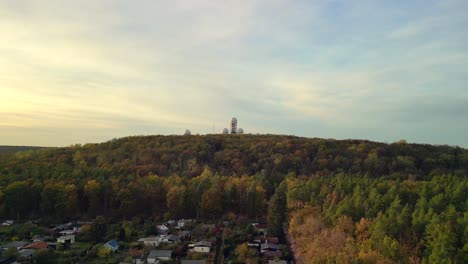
(351, 218)
(13, 149)
(350, 200)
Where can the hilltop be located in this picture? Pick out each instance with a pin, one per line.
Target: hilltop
(271, 155)
(13, 149)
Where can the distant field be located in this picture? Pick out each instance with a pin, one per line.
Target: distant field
(13, 149)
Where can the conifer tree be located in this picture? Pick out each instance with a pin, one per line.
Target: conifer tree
(277, 210)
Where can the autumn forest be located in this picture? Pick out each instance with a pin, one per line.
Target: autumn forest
(340, 201)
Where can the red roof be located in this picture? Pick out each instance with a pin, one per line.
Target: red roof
(37, 245)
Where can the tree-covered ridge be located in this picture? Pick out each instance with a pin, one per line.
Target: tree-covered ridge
(353, 200)
(273, 156)
(13, 149)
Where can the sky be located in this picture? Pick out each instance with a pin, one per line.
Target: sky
(89, 71)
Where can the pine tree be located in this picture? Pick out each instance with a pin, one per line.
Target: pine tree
(277, 210)
(440, 242)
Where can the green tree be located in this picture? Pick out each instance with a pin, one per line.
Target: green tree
(440, 240)
(19, 200)
(93, 192)
(211, 202)
(277, 210)
(176, 197)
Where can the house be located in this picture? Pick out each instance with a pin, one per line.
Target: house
(37, 245)
(150, 241)
(171, 222)
(268, 247)
(66, 239)
(113, 245)
(193, 262)
(26, 253)
(200, 247)
(170, 239)
(17, 244)
(162, 229)
(277, 262)
(156, 255)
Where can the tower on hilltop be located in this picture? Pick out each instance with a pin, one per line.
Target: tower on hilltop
(234, 125)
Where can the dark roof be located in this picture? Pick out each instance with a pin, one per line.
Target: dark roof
(26, 252)
(15, 244)
(172, 238)
(160, 253)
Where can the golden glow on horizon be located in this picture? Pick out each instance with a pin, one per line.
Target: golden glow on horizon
(70, 70)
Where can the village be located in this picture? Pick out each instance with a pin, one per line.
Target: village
(185, 241)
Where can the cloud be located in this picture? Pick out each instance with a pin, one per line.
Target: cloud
(312, 68)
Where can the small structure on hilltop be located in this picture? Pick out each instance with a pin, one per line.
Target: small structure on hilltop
(233, 128)
(187, 133)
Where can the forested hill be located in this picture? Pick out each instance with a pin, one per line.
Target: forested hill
(346, 201)
(13, 149)
(270, 155)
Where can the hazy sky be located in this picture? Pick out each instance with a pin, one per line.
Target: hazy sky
(88, 71)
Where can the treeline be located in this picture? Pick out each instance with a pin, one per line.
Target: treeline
(13, 149)
(207, 196)
(231, 155)
(357, 219)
